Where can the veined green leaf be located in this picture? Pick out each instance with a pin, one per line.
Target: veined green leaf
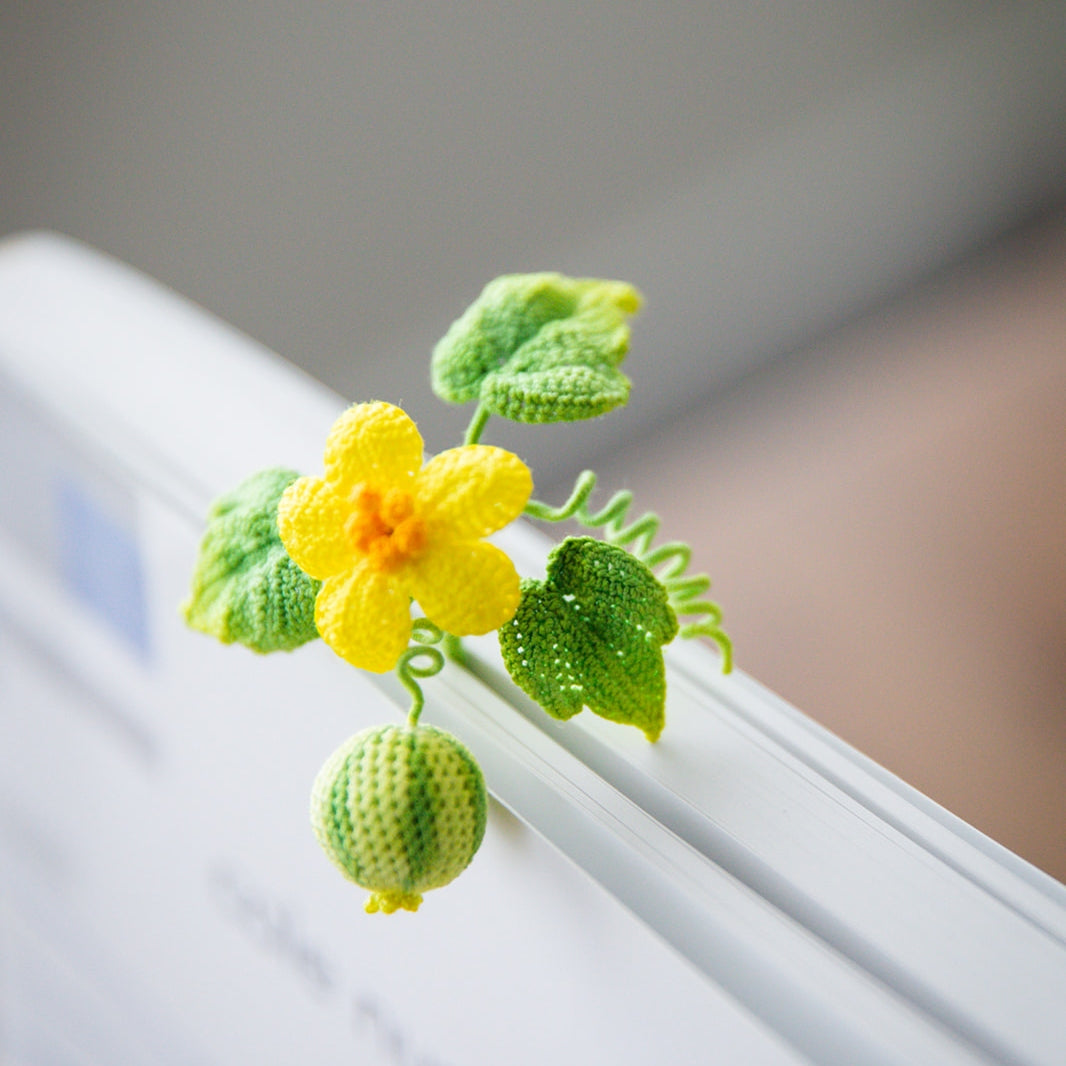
(539, 348)
(245, 588)
(591, 635)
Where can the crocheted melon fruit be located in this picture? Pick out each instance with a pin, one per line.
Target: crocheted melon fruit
(399, 811)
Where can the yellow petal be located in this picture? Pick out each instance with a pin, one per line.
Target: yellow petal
(374, 443)
(466, 493)
(365, 618)
(311, 519)
(467, 589)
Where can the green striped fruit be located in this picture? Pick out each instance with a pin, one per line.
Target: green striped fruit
(400, 811)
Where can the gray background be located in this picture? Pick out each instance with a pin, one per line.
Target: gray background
(339, 180)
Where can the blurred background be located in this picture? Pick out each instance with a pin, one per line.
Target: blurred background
(849, 223)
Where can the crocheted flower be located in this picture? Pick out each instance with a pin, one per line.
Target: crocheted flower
(380, 528)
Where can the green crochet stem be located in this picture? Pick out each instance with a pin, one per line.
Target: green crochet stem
(425, 634)
(477, 424)
(452, 646)
(674, 557)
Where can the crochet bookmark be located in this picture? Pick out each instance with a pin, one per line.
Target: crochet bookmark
(401, 809)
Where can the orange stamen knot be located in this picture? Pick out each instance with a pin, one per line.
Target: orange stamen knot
(384, 527)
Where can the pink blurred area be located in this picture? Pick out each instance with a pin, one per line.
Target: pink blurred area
(884, 517)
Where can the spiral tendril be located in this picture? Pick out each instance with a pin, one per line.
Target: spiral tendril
(409, 671)
(672, 559)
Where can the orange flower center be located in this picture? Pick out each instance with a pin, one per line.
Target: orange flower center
(384, 527)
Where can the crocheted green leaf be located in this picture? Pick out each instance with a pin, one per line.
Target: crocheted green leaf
(539, 348)
(245, 588)
(591, 634)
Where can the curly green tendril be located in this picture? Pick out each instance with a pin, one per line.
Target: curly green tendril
(683, 590)
(409, 671)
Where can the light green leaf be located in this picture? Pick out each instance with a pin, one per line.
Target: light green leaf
(539, 348)
(591, 635)
(245, 588)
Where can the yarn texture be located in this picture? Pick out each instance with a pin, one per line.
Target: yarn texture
(245, 587)
(539, 348)
(400, 811)
(668, 561)
(380, 528)
(591, 634)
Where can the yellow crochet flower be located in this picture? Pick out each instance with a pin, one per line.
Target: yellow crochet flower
(381, 528)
